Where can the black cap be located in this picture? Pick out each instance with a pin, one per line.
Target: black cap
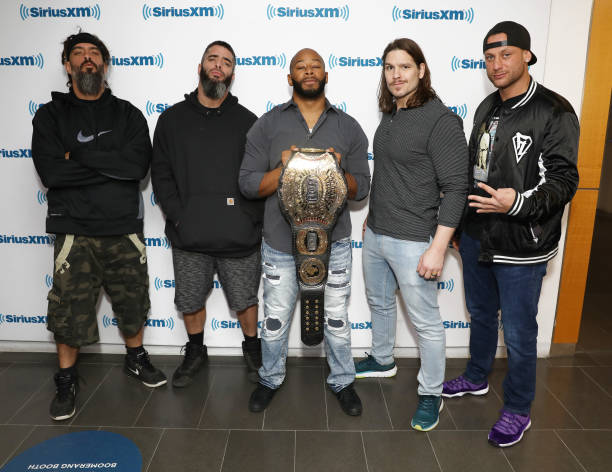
(81, 37)
(516, 34)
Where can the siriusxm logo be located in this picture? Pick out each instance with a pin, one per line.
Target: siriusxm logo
(157, 242)
(33, 107)
(460, 110)
(152, 108)
(279, 60)
(347, 61)
(228, 324)
(31, 239)
(168, 323)
(446, 285)
(188, 12)
(36, 60)
(23, 153)
(159, 283)
(457, 64)
(139, 61)
(37, 319)
(446, 15)
(341, 13)
(153, 199)
(48, 280)
(456, 324)
(68, 12)
(356, 244)
(41, 197)
(363, 325)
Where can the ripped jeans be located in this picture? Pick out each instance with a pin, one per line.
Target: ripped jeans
(280, 295)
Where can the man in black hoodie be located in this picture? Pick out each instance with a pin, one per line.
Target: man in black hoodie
(197, 151)
(91, 150)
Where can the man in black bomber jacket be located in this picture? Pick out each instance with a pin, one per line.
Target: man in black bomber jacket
(197, 151)
(91, 150)
(523, 151)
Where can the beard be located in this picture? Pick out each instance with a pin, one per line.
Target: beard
(312, 93)
(212, 88)
(89, 82)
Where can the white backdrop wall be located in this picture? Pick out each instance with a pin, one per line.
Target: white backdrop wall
(156, 46)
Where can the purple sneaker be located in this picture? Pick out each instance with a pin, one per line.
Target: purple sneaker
(460, 386)
(509, 429)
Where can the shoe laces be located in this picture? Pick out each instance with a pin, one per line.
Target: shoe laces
(64, 385)
(142, 359)
(460, 383)
(508, 423)
(427, 402)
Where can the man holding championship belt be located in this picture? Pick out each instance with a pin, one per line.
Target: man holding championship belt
(306, 232)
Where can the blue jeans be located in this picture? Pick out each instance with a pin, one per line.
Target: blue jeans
(389, 263)
(515, 289)
(280, 294)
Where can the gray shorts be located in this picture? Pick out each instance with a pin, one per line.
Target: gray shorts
(193, 271)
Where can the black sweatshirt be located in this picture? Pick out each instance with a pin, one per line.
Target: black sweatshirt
(95, 192)
(197, 152)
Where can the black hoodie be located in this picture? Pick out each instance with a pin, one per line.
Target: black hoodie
(95, 191)
(197, 152)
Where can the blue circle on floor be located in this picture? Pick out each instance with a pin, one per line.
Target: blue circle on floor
(83, 451)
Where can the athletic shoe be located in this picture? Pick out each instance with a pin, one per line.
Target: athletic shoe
(349, 401)
(368, 367)
(427, 414)
(140, 367)
(63, 405)
(261, 398)
(460, 386)
(509, 429)
(195, 356)
(252, 357)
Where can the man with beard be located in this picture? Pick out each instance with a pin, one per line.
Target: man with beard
(91, 150)
(197, 150)
(307, 120)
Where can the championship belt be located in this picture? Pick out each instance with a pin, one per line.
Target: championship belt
(311, 192)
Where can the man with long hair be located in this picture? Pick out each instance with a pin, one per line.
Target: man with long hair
(523, 152)
(419, 151)
(91, 150)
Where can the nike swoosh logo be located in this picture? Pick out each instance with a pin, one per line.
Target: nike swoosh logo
(81, 138)
(134, 371)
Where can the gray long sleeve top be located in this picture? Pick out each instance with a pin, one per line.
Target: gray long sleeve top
(284, 126)
(418, 153)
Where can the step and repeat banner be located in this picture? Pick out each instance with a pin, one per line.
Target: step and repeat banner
(156, 46)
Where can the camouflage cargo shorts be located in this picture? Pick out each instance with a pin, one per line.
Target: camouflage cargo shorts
(82, 266)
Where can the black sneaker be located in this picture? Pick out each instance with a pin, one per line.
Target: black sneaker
(349, 401)
(195, 356)
(252, 357)
(261, 398)
(63, 405)
(141, 368)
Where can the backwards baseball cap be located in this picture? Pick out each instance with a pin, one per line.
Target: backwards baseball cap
(516, 35)
(81, 37)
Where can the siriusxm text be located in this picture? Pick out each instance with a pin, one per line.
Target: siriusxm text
(15, 153)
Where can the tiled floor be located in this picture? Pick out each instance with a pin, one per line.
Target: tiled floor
(208, 427)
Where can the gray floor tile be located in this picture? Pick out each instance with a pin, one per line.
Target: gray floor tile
(189, 450)
(259, 451)
(603, 358)
(4, 366)
(177, 407)
(593, 449)
(30, 357)
(18, 383)
(601, 375)
(580, 395)
(36, 410)
(329, 451)
(400, 394)
(117, 401)
(306, 361)
(374, 415)
(399, 451)
(577, 360)
(42, 433)
(300, 402)
(467, 451)
(10, 437)
(146, 439)
(227, 403)
(541, 451)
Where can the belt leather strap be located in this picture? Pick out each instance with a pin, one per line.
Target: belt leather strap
(312, 191)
